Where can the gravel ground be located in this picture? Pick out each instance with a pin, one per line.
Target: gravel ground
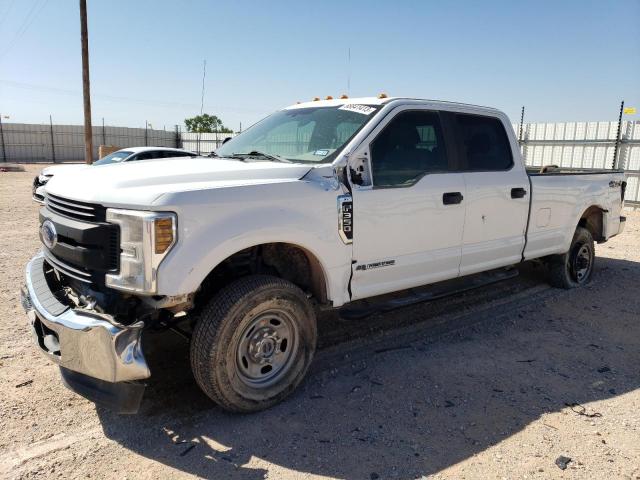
(475, 386)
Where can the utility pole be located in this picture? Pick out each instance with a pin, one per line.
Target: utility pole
(88, 130)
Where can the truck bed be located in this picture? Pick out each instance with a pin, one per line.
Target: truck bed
(560, 197)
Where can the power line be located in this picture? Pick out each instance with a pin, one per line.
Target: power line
(29, 19)
(129, 100)
(7, 12)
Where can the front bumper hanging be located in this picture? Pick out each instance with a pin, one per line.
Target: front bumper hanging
(99, 358)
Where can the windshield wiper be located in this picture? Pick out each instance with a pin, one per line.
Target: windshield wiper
(256, 153)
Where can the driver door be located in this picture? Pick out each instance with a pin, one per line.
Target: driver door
(408, 224)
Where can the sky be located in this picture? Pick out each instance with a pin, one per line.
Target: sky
(563, 60)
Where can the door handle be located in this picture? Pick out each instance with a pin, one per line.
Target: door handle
(518, 192)
(452, 198)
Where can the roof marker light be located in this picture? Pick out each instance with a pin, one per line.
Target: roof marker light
(343, 96)
(316, 99)
(329, 97)
(383, 95)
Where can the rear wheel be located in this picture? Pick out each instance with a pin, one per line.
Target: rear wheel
(253, 343)
(574, 268)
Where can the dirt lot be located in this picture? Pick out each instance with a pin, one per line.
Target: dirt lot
(475, 386)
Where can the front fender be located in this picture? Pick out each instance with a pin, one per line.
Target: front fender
(208, 234)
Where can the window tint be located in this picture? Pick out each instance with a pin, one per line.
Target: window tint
(172, 154)
(144, 156)
(483, 143)
(408, 147)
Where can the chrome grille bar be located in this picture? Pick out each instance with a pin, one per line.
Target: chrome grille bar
(75, 209)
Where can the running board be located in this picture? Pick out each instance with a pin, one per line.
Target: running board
(364, 308)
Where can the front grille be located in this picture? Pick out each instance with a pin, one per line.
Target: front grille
(74, 272)
(87, 246)
(88, 212)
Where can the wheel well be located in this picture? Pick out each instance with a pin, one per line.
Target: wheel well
(283, 260)
(592, 219)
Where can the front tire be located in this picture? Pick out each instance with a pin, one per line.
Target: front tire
(253, 343)
(574, 268)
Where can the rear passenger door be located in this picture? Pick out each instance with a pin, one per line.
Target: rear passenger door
(497, 194)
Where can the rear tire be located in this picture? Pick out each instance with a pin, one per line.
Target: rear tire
(253, 343)
(574, 268)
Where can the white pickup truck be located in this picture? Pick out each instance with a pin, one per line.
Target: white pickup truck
(318, 205)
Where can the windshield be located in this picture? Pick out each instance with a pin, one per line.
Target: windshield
(308, 135)
(115, 157)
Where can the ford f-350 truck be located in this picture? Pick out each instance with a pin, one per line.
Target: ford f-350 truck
(318, 205)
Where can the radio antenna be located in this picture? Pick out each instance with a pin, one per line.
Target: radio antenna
(349, 71)
(204, 74)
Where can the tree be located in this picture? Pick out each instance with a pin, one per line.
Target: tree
(205, 123)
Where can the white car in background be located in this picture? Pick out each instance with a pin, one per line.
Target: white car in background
(124, 155)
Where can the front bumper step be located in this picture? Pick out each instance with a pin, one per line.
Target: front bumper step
(121, 397)
(99, 358)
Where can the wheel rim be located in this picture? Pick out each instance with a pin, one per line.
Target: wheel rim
(265, 350)
(582, 263)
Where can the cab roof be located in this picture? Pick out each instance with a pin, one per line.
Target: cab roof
(337, 102)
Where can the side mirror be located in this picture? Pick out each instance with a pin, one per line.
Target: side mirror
(359, 168)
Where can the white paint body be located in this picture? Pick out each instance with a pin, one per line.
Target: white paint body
(224, 206)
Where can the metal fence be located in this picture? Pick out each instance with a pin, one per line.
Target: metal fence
(585, 145)
(32, 143)
(571, 145)
(202, 143)
(23, 142)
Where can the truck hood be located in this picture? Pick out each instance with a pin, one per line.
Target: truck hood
(141, 184)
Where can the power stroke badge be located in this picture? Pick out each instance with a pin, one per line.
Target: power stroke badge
(371, 266)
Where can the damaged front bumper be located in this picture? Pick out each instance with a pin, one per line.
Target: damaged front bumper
(99, 358)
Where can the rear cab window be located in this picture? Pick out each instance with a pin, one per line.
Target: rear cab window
(482, 143)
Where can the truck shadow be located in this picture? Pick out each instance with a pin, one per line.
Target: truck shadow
(412, 410)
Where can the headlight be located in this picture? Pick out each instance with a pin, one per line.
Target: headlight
(145, 239)
(43, 178)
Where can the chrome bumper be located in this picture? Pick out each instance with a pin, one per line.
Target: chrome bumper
(78, 340)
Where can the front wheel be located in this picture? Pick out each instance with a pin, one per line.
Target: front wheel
(574, 268)
(253, 343)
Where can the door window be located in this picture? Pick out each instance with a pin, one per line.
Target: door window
(483, 143)
(410, 146)
(143, 156)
